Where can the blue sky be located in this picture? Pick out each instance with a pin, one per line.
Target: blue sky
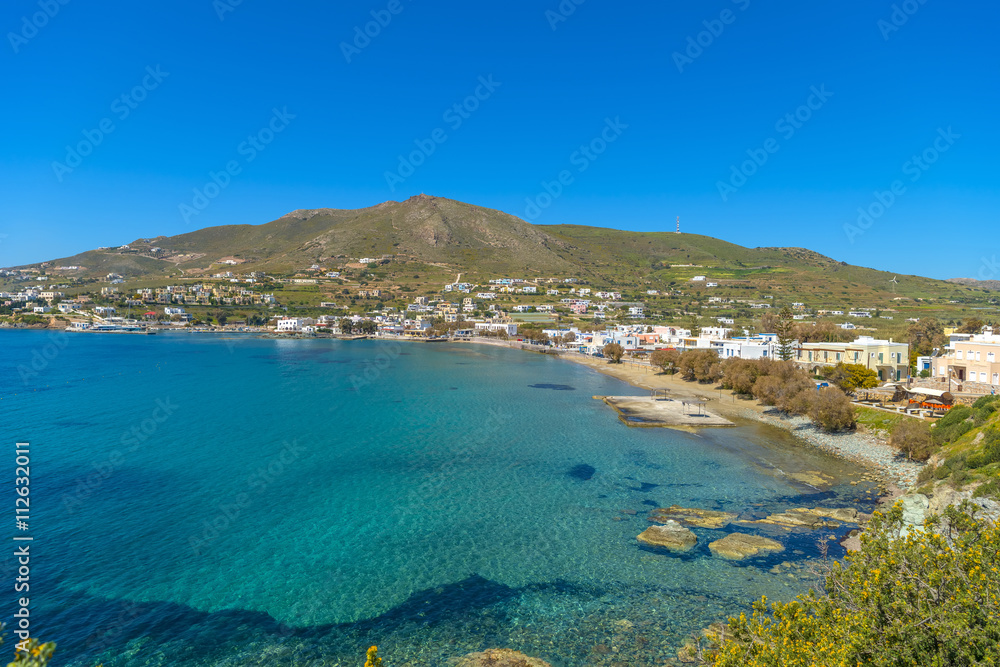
(645, 111)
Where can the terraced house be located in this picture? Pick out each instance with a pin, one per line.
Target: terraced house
(971, 358)
(890, 360)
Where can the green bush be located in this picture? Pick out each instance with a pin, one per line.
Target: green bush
(924, 599)
(990, 489)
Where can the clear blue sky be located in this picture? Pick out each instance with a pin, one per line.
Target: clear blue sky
(555, 83)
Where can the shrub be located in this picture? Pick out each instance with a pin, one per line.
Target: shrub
(990, 489)
(926, 598)
(741, 374)
(926, 474)
(767, 389)
(832, 410)
(913, 438)
(798, 402)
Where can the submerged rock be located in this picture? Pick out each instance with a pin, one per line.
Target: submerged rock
(671, 535)
(845, 514)
(737, 546)
(813, 478)
(803, 517)
(499, 657)
(690, 516)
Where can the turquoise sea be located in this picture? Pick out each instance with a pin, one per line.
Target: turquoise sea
(209, 500)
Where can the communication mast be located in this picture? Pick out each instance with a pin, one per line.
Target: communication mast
(678, 224)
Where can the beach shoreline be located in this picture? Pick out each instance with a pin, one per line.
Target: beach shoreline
(865, 449)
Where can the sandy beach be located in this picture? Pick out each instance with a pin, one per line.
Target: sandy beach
(863, 448)
(866, 449)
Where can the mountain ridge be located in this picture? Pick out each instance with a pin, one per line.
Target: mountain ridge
(480, 242)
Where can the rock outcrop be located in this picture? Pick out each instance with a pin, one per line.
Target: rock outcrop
(499, 657)
(690, 516)
(737, 546)
(671, 535)
(810, 518)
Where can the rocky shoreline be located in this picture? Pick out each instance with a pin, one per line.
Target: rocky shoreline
(863, 448)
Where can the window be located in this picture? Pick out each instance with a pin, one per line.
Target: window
(991, 357)
(958, 354)
(838, 356)
(978, 355)
(982, 377)
(880, 357)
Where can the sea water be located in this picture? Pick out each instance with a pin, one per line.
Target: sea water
(220, 500)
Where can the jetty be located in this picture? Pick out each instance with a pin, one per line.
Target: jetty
(662, 411)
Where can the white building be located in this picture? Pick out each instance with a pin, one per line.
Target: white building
(294, 324)
(509, 328)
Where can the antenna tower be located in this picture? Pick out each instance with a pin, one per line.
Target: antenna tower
(678, 224)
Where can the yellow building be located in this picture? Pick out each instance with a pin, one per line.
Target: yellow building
(889, 359)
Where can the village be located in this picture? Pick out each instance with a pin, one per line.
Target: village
(558, 314)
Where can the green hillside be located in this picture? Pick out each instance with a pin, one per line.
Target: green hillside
(433, 235)
(970, 451)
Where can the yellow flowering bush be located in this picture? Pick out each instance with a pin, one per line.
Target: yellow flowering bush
(927, 599)
(372, 658)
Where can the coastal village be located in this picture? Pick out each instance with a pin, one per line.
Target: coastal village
(558, 313)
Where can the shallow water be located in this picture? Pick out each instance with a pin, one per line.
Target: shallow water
(200, 500)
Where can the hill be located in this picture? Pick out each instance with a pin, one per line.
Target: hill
(970, 452)
(481, 243)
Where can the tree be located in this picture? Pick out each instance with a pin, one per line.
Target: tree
(695, 327)
(785, 329)
(850, 377)
(613, 352)
(971, 326)
(665, 360)
(700, 365)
